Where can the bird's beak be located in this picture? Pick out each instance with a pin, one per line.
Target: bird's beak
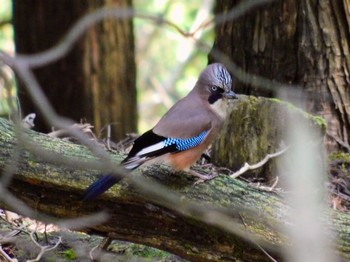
(230, 95)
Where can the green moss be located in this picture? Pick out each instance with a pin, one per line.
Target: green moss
(318, 120)
(339, 156)
(131, 250)
(51, 259)
(253, 99)
(277, 100)
(70, 254)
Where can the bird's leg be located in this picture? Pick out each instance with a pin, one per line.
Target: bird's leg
(202, 178)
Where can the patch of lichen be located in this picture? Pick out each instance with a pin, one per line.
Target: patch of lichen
(318, 120)
(339, 155)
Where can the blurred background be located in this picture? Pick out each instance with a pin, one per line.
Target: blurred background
(167, 63)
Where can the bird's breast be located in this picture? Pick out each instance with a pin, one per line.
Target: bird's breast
(184, 159)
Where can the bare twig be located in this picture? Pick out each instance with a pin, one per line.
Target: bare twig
(96, 251)
(43, 249)
(5, 256)
(272, 187)
(91, 252)
(108, 139)
(342, 143)
(247, 167)
(85, 128)
(266, 253)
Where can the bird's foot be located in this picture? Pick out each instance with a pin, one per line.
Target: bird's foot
(201, 178)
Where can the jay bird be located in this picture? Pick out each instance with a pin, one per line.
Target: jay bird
(184, 132)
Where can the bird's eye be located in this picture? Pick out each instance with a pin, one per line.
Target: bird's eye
(214, 88)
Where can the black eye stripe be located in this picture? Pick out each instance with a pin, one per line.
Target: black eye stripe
(214, 97)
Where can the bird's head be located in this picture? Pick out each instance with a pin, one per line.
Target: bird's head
(215, 83)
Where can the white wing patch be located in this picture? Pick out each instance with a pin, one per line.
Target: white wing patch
(151, 148)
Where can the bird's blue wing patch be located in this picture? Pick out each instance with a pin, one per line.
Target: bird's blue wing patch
(183, 144)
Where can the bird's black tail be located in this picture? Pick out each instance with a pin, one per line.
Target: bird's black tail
(106, 182)
(100, 186)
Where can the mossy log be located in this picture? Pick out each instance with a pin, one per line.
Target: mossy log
(50, 187)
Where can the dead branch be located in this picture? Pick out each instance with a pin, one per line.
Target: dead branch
(43, 249)
(247, 166)
(5, 257)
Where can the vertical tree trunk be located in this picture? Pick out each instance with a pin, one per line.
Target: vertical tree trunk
(96, 80)
(302, 42)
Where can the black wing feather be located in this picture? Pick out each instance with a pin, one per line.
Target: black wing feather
(148, 139)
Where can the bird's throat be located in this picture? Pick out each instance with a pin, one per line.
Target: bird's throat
(220, 107)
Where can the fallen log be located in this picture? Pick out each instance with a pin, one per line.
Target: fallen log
(197, 222)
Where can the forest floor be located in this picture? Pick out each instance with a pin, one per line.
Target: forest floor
(24, 239)
(339, 181)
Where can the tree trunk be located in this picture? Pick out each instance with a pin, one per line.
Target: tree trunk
(96, 80)
(198, 222)
(299, 42)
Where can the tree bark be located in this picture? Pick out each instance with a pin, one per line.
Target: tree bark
(136, 215)
(96, 80)
(298, 42)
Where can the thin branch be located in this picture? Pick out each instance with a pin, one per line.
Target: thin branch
(342, 143)
(266, 253)
(91, 252)
(5, 256)
(43, 249)
(85, 128)
(95, 252)
(247, 167)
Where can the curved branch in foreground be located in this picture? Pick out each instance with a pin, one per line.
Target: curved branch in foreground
(56, 190)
